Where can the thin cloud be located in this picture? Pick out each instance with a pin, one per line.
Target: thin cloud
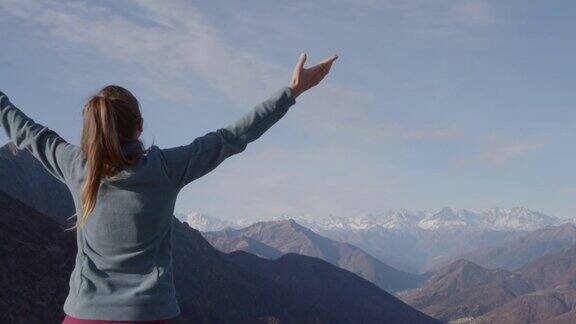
(499, 152)
(169, 43)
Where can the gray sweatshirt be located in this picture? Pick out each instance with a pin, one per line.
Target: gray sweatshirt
(123, 268)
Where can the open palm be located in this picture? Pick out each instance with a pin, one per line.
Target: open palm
(304, 79)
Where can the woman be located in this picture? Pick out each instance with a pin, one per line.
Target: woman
(125, 195)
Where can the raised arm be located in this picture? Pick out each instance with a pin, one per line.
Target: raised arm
(51, 150)
(189, 162)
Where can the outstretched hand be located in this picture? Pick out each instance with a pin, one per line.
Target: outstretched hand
(304, 79)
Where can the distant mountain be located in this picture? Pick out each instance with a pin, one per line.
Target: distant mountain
(414, 242)
(464, 289)
(497, 219)
(203, 222)
(420, 250)
(519, 218)
(522, 250)
(423, 241)
(291, 237)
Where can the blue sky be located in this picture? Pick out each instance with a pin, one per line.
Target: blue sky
(432, 103)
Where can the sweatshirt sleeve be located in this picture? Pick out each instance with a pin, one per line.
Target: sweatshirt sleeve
(55, 154)
(186, 163)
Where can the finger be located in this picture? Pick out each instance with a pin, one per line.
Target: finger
(298, 67)
(326, 64)
(329, 59)
(301, 61)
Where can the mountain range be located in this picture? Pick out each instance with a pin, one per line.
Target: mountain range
(275, 238)
(497, 219)
(415, 242)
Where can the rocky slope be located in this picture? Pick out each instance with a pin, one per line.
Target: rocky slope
(464, 289)
(554, 301)
(552, 271)
(343, 294)
(555, 306)
(36, 259)
(543, 290)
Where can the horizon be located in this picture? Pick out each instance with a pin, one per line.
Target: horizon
(384, 213)
(429, 105)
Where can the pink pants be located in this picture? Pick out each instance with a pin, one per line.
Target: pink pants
(72, 320)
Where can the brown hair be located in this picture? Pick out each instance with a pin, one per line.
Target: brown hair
(111, 118)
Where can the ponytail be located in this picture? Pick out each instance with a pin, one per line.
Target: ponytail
(110, 118)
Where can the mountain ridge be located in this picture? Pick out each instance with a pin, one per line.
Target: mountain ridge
(515, 253)
(287, 236)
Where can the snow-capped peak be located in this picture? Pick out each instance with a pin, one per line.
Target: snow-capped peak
(205, 223)
(513, 219)
(519, 218)
(447, 218)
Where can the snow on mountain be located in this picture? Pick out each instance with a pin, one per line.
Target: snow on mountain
(500, 219)
(449, 218)
(400, 220)
(360, 222)
(519, 218)
(395, 219)
(205, 223)
(412, 241)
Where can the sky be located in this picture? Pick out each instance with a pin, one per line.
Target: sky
(432, 103)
